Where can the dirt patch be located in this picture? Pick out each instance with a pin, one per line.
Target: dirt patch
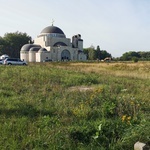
(81, 88)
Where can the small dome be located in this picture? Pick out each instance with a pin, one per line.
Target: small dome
(42, 50)
(27, 47)
(52, 29)
(34, 49)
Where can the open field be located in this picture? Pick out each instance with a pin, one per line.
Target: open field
(74, 106)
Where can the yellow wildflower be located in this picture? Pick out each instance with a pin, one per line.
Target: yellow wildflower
(123, 118)
(129, 118)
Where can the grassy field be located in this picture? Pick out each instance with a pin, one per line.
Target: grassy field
(74, 106)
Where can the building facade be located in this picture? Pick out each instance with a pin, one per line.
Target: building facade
(52, 44)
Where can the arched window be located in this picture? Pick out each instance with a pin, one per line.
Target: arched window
(65, 55)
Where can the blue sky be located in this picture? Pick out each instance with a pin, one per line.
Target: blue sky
(117, 26)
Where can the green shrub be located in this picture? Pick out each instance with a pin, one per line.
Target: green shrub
(135, 59)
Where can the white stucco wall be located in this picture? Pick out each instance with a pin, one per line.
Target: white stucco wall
(41, 56)
(24, 56)
(46, 41)
(40, 41)
(32, 56)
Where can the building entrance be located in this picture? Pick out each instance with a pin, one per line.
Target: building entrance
(65, 55)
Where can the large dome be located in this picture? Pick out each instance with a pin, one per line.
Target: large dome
(52, 29)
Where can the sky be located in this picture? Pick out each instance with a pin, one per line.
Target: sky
(117, 26)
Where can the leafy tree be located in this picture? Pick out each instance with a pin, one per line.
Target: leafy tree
(144, 55)
(11, 43)
(105, 54)
(93, 54)
(125, 56)
(2, 43)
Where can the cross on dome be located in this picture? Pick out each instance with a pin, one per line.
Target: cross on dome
(52, 22)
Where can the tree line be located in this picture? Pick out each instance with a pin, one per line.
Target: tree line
(135, 56)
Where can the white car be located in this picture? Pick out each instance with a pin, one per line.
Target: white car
(14, 61)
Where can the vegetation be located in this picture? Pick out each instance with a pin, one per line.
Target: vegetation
(74, 106)
(11, 43)
(135, 56)
(96, 54)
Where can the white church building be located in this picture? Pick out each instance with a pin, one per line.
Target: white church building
(52, 44)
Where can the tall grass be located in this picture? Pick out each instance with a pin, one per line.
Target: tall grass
(42, 106)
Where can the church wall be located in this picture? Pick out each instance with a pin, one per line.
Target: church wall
(75, 41)
(32, 56)
(52, 40)
(24, 56)
(82, 57)
(80, 45)
(54, 53)
(46, 41)
(38, 57)
(73, 52)
(41, 56)
(40, 41)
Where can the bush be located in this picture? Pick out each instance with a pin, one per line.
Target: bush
(135, 59)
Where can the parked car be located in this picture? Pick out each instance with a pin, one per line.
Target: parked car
(14, 61)
(4, 56)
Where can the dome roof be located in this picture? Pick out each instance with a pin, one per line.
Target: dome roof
(52, 29)
(34, 49)
(27, 47)
(42, 50)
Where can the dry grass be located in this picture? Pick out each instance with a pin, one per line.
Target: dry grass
(139, 70)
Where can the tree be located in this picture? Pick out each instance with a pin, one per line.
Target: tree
(2, 43)
(132, 55)
(144, 55)
(125, 56)
(11, 43)
(91, 53)
(98, 53)
(105, 54)
(135, 59)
